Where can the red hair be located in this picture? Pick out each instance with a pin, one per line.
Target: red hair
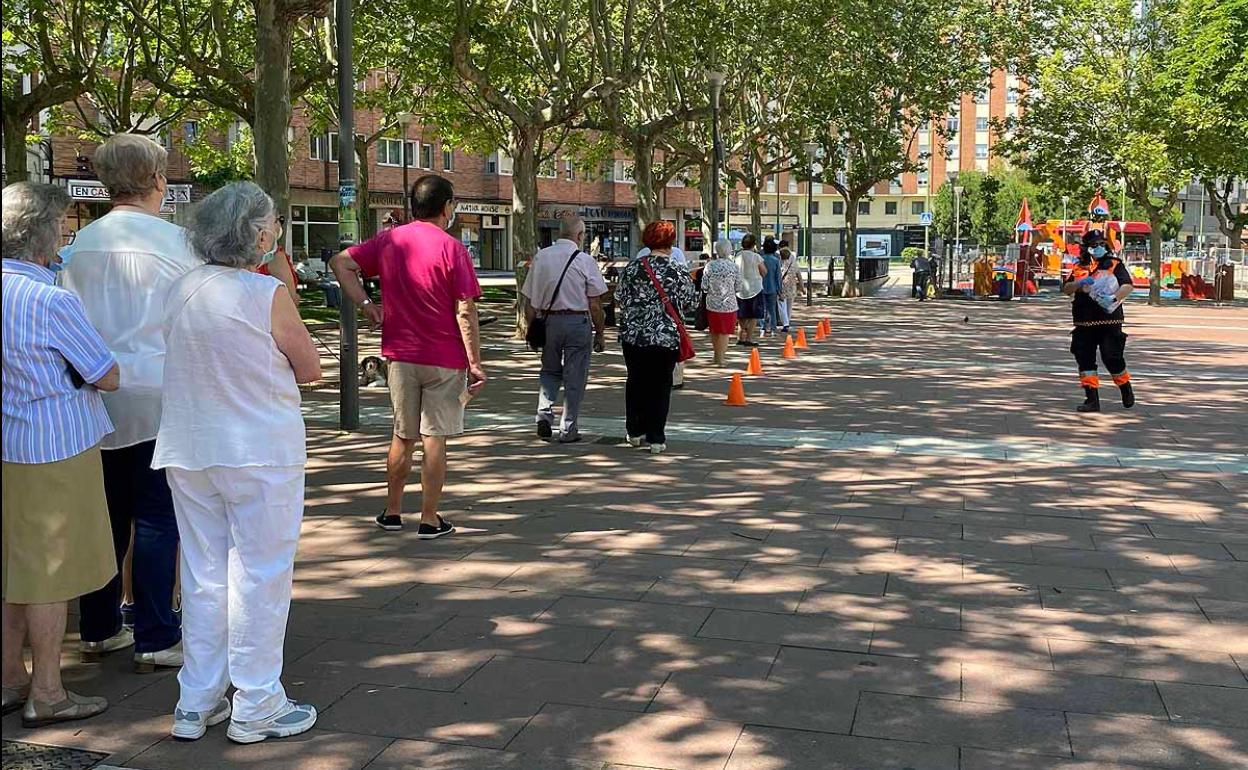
(659, 235)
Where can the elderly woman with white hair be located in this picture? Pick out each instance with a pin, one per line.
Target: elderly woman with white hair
(56, 544)
(233, 443)
(721, 280)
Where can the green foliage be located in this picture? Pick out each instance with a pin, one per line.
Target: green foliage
(214, 162)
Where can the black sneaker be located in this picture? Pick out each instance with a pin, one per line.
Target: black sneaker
(544, 430)
(389, 522)
(429, 532)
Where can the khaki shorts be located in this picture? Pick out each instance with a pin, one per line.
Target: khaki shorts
(427, 399)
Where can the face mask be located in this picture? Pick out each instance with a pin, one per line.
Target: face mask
(66, 254)
(268, 256)
(1097, 251)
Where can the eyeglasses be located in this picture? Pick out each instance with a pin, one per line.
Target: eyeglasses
(70, 236)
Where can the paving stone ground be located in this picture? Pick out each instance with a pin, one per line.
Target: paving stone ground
(757, 600)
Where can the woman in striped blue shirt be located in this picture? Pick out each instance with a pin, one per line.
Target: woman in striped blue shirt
(57, 540)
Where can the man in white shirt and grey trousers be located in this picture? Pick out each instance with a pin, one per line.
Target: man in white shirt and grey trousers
(565, 286)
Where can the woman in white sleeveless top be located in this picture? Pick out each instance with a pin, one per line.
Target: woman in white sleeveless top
(232, 441)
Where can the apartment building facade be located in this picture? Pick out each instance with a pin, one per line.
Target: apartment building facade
(892, 216)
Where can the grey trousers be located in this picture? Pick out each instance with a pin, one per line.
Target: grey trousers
(565, 363)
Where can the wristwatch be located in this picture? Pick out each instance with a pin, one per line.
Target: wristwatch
(367, 301)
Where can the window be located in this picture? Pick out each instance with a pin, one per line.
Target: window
(569, 171)
(925, 126)
(838, 208)
(952, 124)
(624, 172)
(817, 188)
(814, 208)
(1011, 96)
(916, 207)
(448, 158)
(890, 208)
(922, 178)
(546, 169)
(499, 163)
(410, 146)
(390, 152)
(981, 124)
(764, 205)
(981, 96)
(331, 146)
(317, 147)
(792, 183)
(190, 131)
(981, 151)
(864, 207)
(426, 155)
(771, 183)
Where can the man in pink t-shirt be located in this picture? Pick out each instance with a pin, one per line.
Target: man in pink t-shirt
(429, 333)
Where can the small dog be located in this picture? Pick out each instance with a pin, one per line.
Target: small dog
(373, 372)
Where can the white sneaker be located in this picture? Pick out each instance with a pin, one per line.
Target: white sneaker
(91, 651)
(293, 719)
(658, 449)
(147, 662)
(636, 441)
(191, 725)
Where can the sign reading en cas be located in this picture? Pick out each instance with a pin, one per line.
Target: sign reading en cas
(94, 190)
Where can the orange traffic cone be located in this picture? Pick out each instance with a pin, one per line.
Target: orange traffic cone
(827, 328)
(820, 334)
(756, 363)
(736, 391)
(789, 350)
(800, 344)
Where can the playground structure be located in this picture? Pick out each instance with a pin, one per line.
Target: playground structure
(1044, 254)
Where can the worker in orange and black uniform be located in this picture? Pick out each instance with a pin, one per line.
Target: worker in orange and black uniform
(1098, 285)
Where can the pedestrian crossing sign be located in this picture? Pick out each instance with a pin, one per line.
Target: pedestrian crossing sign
(925, 219)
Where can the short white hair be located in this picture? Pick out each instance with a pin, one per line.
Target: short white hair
(32, 220)
(224, 225)
(723, 248)
(570, 226)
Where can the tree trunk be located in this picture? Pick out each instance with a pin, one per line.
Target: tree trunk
(15, 149)
(1230, 222)
(643, 176)
(523, 152)
(273, 35)
(363, 197)
(706, 192)
(755, 186)
(849, 287)
(1154, 260)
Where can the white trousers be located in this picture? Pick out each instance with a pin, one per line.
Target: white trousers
(239, 529)
(786, 306)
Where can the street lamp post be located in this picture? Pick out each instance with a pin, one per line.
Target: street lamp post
(405, 119)
(348, 343)
(715, 80)
(957, 231)
(810, 148)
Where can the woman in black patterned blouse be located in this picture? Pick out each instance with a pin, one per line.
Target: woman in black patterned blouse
(649, 336)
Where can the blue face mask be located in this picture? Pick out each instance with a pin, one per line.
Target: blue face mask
(1097, 251)
(268, 256)
(66, 253)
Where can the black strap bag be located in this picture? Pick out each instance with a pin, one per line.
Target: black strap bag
(536, 335)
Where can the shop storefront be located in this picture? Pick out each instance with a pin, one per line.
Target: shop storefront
(485, 229)
(92, 201)
(313, 228)
(608, 230)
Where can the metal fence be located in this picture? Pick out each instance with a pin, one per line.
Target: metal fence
(1206, 263)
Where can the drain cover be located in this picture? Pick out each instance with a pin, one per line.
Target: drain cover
(32, 756)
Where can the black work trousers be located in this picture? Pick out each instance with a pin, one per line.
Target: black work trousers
(648, 390)
(1110, 340)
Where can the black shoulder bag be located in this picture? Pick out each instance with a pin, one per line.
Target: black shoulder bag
(536, 335)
